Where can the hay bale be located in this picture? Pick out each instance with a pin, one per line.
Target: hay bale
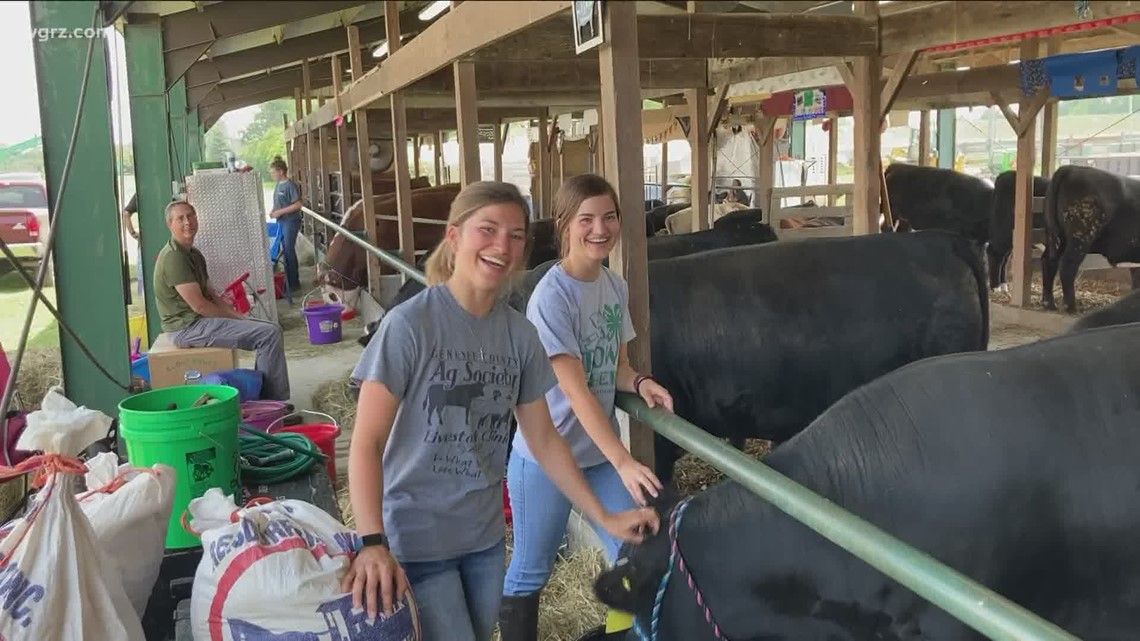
(692, 475)
(568, 608)
(332, 398)
(39, 371)
(1091, 293)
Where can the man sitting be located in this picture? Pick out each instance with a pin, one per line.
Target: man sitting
(195, 317)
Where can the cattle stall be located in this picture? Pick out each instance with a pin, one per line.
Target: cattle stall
(650, 48)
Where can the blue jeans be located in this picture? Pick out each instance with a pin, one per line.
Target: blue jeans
(290, 228)
(540, 512)
(458, 599)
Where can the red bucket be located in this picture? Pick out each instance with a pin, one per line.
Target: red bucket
(323, 435)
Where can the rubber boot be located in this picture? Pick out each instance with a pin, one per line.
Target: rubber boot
(518, 617)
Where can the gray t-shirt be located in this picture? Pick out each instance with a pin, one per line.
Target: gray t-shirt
(589, 321)
(458, 377)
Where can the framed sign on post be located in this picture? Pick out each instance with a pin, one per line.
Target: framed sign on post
(809, 105)
(587, 24)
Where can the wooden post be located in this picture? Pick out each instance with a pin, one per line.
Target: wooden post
(326, 197)
(307, 85)
(1049, 124)
(1022, 267)
(416, 155)
(344, 164)
(699, 157)
(664, 170)
(832, 158)
(437, 153)
(467, 115)
(543, 182)
(765, 130)
(868, 119)
(400, 144)
(924, 138)
(621, 115)
(499, 140)
(360, 118)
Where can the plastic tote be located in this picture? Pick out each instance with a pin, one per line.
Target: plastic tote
(200, 443)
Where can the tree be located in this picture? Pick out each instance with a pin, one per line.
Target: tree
(268, 118)
(259, 152)
(217, 143)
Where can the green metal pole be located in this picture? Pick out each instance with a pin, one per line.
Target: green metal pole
(87, 247)
(947, 137)
(963, 598)
(151, 142)
(177, 106)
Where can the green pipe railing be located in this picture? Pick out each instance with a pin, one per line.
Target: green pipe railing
(963, 598)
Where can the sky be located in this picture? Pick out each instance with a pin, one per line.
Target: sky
(20, 115)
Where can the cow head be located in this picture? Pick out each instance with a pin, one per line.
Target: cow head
(631, 584)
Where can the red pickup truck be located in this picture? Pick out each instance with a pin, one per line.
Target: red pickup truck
(23, 215)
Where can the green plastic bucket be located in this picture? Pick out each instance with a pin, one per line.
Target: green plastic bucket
(200, 443)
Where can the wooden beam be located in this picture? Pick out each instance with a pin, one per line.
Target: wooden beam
(718, 111)
(404, 212)
(895, 81)
(699, 158)
(1010, 117)
(755, 35)
(950, 22)
(360, 118)
(343, 160)
(847, 73)
(1021, 265)
(868, 119)
(621, 124)
(542, 179)
(463, 30)
(467, 116)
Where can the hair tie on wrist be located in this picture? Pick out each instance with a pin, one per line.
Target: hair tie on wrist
(638, 381)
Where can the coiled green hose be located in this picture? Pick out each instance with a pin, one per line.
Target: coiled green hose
(265, 463)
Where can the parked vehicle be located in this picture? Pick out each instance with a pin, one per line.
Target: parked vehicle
(24, 215)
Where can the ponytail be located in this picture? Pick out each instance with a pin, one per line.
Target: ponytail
(440, 263)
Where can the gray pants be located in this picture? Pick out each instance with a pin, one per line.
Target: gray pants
(260, 336)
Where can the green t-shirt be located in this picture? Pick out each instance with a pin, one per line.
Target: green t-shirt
(178, 265)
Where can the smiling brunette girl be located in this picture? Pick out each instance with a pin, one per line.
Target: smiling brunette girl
(438, 383)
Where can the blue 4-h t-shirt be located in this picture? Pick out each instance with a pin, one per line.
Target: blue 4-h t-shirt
(589, 321)
(285, 193)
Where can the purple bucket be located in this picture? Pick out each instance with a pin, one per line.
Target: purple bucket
(324, 323)
(261, 415)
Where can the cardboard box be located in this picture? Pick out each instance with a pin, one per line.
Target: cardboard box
(169, 363)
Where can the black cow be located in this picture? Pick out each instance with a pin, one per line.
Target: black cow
(1087, 211)
(739, 218)
(748, 351)
(542, 255)
(655, 218)
(1001, 223)
(1126, 310)
(739, 232)
(934, 198)
(957, 457)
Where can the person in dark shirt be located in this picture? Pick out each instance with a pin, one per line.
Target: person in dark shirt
(287, 212)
